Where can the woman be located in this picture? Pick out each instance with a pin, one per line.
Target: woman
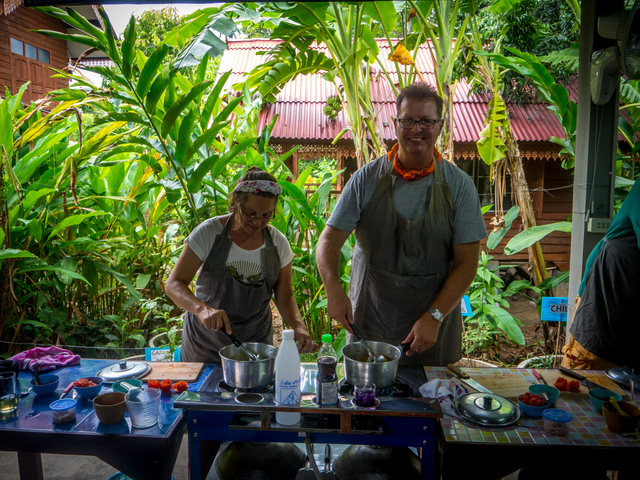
(243, 262)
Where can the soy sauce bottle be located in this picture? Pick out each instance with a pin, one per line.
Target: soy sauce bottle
(327, 379)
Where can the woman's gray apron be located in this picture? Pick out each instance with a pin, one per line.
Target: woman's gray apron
(247, 307)
(398, 268)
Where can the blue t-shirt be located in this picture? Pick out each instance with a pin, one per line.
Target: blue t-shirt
(627, 221)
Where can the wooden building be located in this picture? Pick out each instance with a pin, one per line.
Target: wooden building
(27, 56)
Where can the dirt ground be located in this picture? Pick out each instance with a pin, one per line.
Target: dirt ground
(502, 353)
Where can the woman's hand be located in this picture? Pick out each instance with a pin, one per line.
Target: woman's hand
(305, 343)
(214, 319)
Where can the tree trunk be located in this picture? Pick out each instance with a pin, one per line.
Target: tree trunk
(520, 189)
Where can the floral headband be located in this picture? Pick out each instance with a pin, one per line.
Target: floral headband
(257, 186)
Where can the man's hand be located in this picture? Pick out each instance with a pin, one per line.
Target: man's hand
(339, 308)
(423, 335)
(214, 319)
(304, 341)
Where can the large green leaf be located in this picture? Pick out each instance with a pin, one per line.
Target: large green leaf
(178, 107)
(150, 69)
(53, 268)
(505, 322)
(206, 43)
(534, 234)
(205, 167)
(15, 253)
(497, 235)
(122, 279)
(6, 132)
(128, 45)
(74, 220)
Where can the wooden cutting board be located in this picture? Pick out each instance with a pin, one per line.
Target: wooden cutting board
(508, 385)
(600, 378)
(174, 371)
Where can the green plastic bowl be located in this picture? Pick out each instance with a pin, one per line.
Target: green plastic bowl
(552, 392)
(600, 395)
(117, 387)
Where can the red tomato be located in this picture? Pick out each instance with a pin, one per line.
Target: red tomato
(574, 386)
(180, 387)
(165, 385)
(153, 384)
(561, 383)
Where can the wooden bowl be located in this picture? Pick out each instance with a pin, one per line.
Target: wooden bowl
(110, 407)
(619, 423)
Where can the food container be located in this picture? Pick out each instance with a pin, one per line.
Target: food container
(552, 392)
(357, 368)
(110, 407)
(49, 383)
(64, 411)
(89, 392)
(621, 423)
(530, 410)
(599, 395)
(556, 421)
(240, 372)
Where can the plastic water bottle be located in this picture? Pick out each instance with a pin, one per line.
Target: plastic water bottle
(327, 379)
(287, 389)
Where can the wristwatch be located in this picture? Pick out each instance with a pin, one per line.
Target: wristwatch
(436, 314)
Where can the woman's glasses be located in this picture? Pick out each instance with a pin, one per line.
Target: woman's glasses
(263, 218)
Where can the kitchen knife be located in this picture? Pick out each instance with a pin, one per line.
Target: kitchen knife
(66, 390)
(539, 377)
(583, 380)
(467, 379)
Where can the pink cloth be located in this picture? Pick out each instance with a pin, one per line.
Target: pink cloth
(47, 358)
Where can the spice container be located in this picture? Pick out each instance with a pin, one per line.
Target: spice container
(556, 421)
(64, 411)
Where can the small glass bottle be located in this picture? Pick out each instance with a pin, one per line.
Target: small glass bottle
(327, 379)
(287, 388)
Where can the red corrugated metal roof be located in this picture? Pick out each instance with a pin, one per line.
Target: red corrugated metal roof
(299, 105)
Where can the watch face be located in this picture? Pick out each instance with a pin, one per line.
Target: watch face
(437, 314)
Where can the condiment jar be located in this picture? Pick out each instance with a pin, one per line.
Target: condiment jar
(64, 410)
(556, 421)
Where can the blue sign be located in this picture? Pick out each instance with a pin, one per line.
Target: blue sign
(554, 309)
(466, 307)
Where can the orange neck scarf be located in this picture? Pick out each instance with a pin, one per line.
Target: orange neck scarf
(411, 174)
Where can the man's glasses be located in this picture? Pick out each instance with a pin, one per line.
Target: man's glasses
(263, 218)
(409, 123)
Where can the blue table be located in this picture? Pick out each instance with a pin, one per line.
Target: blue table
(139, 453)
(406, 422)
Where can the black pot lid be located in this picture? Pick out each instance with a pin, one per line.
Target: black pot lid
(124, 369)
(623, 376)
(487, 409)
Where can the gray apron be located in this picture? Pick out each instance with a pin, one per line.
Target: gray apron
(248, 307)
(398, 268)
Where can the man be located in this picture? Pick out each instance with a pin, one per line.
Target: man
(605, 328)
(418, 228)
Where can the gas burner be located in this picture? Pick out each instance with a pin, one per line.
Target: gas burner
(398, 389)
(224, 387)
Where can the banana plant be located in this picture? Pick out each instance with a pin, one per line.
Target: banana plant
(346, 31)
(553, 94)
(438, 21)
